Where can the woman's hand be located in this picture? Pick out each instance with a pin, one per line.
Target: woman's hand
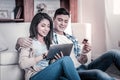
(45, 55)
(40, 57)
(58, 55)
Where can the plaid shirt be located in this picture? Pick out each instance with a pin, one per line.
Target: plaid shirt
(77, 49)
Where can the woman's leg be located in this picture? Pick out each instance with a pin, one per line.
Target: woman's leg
(103, 62)
(63, 78)
(56, 69)
(69, 69)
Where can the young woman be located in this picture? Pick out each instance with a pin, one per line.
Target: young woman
(32, 58)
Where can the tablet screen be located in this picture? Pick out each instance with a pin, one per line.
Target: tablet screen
(54, 49)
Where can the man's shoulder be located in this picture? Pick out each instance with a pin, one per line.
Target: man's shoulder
(70, 36)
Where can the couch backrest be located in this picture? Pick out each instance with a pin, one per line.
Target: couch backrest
(12, 31)
(79, 31)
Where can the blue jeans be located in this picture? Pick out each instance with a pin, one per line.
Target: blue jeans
(95, 70)
(62, 67)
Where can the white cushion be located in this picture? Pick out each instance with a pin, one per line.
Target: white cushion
(12, 31)
(11, 72)
(3, 43)
(9, 57)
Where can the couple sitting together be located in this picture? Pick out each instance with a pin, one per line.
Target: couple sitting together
(45, 32)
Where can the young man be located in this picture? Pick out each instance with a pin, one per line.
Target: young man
(94, 70)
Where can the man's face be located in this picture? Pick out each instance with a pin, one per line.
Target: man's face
(60, 23)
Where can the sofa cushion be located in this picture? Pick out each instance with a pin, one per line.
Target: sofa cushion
(3, 43)
(12, 31)
(11, 72)
(8, 57)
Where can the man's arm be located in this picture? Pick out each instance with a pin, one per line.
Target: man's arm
(23, 42)
(83, 58)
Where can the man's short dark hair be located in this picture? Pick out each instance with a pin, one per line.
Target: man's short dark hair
(61, 11)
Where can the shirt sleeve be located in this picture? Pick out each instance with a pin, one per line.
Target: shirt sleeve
(26, 58)
(77, 47)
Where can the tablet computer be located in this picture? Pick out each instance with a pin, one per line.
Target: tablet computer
(54, 49)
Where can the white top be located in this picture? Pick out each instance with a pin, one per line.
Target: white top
(39, 49)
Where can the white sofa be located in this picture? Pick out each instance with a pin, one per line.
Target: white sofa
(9, 59)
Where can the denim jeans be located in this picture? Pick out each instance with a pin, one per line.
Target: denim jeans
(54, 71)
(95, 70)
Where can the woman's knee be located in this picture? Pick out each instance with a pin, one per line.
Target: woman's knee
(66, 58)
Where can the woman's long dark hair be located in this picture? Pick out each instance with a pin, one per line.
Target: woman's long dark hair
(34, 30)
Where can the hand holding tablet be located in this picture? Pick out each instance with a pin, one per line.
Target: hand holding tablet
(55, 49)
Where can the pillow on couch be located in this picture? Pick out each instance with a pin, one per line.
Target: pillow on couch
(3, 44)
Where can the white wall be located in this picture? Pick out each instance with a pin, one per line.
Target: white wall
(93, 11)
(105, 23)
(112, 25)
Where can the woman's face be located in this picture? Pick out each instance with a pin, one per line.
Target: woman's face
(43, 27)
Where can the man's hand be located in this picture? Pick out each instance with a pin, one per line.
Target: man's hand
(82, 59)
(86, 47)
(24, 42)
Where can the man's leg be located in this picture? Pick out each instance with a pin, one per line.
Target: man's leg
(94, 74)
(92, 71)
(103, 62)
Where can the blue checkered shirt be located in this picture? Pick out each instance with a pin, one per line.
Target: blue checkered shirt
(77, 49)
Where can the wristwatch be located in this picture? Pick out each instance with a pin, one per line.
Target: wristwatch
(44, 56)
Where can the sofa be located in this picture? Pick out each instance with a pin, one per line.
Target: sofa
(9, 33)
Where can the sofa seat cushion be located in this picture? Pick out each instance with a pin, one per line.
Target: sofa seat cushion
(8, 58)
(11, 72)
